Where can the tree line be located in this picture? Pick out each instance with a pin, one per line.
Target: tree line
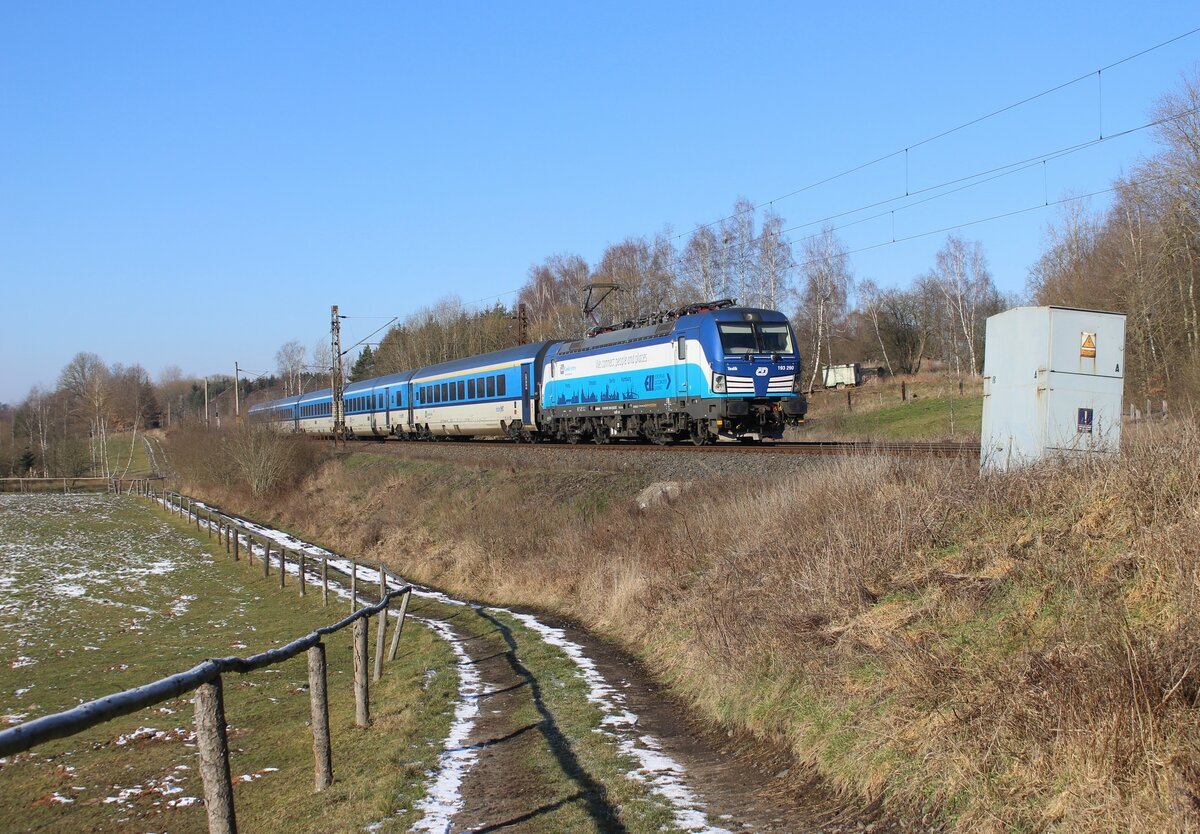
(837, 316)
(92, 420)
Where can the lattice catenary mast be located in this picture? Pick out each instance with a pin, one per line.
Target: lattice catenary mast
(336, 380)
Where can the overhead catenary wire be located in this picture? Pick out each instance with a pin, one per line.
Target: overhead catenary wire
(942, 134)
(968, 181)
(991, 218)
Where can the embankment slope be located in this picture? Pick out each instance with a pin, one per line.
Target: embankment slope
(1008, 653)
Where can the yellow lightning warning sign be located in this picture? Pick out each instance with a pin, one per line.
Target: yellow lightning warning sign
(1087, 345)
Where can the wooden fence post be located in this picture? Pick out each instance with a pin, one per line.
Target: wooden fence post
(282, 566)
(266, 557)
(380, 628)
(208, 523)
(237, 539)
(353, 586)
(300, 569)
(318, 699)
(399, 624)
(324, 580)
(362, 709)
(214, 758)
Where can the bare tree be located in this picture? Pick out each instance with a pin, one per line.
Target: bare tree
(322, 362)
(737, 244)
(966, 284)
(700, 266)
(553, 295)
(827, 282)
(775, 264)
(39, 402)
(86, 379)
(870, 302)
(289, 359)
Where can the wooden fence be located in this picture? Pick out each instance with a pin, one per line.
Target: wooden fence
(206, 678)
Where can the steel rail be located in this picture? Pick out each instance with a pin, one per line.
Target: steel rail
(795, 447)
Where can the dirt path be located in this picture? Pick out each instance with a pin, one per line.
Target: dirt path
(528, 777)
(745, 784)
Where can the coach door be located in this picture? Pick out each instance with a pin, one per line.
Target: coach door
(678, 386)
(526, 417)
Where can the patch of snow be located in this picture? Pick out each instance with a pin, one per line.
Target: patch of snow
(443, 799)
(68, 590)
(180, 606)
(258, 774)
(151, 734)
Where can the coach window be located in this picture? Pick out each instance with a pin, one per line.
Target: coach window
(491, 386)
(470, 389)
(500, 384)
(681, 347)
(462, 390)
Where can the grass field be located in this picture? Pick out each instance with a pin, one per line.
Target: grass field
(934, 410)
(103, 593)
(127, 455)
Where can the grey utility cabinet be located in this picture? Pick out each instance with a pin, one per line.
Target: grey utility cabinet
(1053, 380)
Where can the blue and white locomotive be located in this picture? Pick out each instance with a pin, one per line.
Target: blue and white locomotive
(702, 373)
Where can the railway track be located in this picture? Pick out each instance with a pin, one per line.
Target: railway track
(795, 447)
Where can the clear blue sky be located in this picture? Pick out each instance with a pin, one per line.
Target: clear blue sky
(194, 184)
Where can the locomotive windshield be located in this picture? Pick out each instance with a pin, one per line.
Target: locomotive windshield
(749, 337)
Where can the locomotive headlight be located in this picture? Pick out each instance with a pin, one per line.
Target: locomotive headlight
(797, 384)
(718, 383)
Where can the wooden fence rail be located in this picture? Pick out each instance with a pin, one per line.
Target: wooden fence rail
(206, 679)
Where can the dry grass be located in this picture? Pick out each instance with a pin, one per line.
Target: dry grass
(1017, 653)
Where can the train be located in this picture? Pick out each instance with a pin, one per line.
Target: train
(703, 373)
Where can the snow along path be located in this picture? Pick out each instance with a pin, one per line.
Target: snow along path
(664, 775)
(444, 798)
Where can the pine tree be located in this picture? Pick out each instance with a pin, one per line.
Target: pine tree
(364, 366)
